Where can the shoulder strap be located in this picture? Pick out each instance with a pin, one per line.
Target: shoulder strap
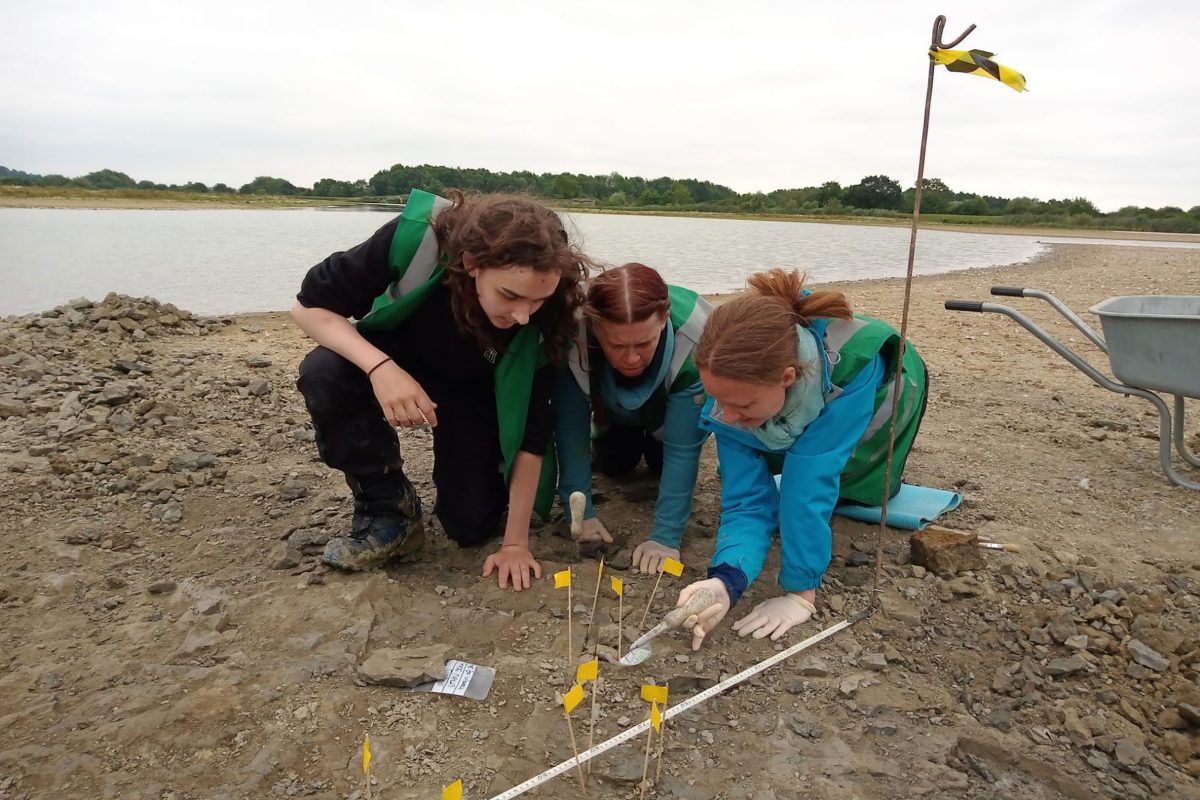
(414, 260)
(577, 358)
(689, 313)
(852, 344)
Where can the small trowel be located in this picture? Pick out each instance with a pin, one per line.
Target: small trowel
(639, 651)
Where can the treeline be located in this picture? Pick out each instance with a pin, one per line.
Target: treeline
(873, 196)
(105, 179)
(881, 196)
(613, 189)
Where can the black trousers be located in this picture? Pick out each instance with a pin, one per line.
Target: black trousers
(620, 448)
(353, 436)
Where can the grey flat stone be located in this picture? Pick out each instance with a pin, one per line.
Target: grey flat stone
(1147, 656)
(405, 667)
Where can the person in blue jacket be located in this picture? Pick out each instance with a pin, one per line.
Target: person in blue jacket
(800, 388)
(632, 392)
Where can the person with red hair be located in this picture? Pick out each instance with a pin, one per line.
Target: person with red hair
(631, 393)
(802, 388)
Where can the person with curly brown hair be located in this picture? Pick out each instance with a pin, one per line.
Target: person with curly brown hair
(462, 308)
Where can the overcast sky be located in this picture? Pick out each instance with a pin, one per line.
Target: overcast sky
(753, 95)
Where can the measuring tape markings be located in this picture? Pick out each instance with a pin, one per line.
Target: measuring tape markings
(673, 711)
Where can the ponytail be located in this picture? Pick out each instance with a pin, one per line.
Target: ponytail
(788, 288)
(752, 338)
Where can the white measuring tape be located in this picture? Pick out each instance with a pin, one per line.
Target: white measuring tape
(672, 711)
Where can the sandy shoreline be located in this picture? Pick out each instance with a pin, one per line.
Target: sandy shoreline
(165, 629)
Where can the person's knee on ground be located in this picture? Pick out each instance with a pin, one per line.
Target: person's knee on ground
(618, 450)
(653, 452)
(468, 473)
(470, 525)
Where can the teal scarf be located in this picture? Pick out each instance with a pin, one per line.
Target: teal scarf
(803, 400)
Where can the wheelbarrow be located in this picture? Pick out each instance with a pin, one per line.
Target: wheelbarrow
(1153, 345)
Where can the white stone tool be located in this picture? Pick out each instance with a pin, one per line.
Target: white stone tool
(578, 504)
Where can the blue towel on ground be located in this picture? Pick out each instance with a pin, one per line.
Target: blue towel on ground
(911, 509)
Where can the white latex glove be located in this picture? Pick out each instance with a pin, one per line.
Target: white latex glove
(649, 557)
(775, 617)
(703, 623)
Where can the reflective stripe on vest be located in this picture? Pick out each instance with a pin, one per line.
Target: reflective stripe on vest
(424, 261)
(883, 414)
(686, 337)
(838, 335)
(577, 358)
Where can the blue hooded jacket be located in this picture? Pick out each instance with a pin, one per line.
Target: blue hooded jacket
(800, 508)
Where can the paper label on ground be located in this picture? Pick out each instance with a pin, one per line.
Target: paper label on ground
(462, 680)
(458, 678)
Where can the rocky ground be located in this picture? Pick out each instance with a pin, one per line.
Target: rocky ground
(166, 631)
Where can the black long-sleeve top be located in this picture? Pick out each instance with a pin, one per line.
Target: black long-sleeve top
(448, 362)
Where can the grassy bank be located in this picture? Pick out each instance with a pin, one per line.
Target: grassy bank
(69, 197)
(47, 197)
(946, 222)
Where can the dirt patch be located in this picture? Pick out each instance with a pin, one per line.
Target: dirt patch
(166, 632)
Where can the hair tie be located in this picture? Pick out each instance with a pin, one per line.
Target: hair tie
(377, 366)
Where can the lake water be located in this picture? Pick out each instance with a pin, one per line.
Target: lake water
(217, 261)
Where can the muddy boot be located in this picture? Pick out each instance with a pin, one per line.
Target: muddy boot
(387, 523)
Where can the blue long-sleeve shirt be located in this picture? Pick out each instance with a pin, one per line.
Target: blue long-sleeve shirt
(753, 508)
(682, 440)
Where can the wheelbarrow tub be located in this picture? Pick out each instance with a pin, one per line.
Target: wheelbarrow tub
(1154, 341)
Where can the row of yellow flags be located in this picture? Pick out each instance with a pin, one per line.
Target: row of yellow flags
(651, 693)
(562, 579)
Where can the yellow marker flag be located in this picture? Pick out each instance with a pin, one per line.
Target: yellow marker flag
(367, 755)
(672, 567)
(978, 62)
(655, 717)
(453, 791)
(654, 694)
(573, 698)
(562, 579)
(618, 586)
(587, 671)
(600, 572)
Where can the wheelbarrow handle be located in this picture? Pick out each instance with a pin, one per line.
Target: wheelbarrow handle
(1058, 305)
(964, 305)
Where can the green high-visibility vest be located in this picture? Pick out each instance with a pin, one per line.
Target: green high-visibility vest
(689, 311)
(851, 345)
(417, 267)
